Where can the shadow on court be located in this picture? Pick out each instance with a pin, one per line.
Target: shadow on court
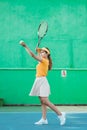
(25, 121)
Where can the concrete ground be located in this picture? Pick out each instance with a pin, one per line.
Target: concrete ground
(38, 108)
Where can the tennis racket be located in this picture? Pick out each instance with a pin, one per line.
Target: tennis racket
(42, 30)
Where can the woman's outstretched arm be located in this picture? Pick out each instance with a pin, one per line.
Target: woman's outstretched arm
(30, 52)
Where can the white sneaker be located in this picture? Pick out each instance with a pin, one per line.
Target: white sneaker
(62, 119)
(41, 122)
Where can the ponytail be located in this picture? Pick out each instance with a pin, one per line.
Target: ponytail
(50, 62)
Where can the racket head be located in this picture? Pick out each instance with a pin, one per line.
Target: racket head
(42, 29)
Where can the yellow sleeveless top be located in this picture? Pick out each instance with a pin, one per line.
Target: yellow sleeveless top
(42, 68)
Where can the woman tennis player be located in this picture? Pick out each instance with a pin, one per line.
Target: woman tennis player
(41, 86)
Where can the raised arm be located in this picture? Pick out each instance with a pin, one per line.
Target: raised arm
(30, 52)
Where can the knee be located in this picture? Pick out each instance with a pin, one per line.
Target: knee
(43, 101)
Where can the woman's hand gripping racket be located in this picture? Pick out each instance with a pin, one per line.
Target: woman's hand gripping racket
(42, 30)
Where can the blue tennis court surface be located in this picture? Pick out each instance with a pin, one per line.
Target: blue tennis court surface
(25, 121)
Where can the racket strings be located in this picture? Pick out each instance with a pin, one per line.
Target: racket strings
(42, 29)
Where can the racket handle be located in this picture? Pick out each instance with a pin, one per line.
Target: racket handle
(37, 47)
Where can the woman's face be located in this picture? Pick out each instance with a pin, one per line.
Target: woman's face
(43, 54)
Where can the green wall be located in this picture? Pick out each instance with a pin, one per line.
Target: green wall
(66, 38)
(15, 86)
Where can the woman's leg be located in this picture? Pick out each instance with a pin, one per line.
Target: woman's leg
(44, 110)
(46, 102)
(43, 120)
(53, 107)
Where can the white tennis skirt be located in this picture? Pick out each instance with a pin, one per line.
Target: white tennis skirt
(40, 87)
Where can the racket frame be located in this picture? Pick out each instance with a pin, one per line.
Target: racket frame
(40, 38)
